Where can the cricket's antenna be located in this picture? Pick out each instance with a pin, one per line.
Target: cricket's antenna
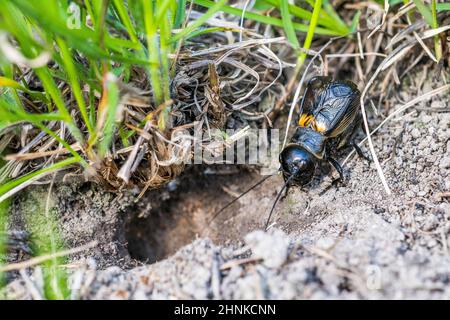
(276, 201)
(237, 198)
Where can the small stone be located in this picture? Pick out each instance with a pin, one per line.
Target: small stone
(272, 247)
(444, 208)
(325, 243)
(426, 118)
(415, 133)
(436, 104)
(409, 194)
(431, 158)
(445, 163)
(431, 243)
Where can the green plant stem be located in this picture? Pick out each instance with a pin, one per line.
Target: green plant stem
(287, 24)
(76, 89)
(309, 35)
(437, 41)
(50, 87)
(220, 5)
(16, 182)
(153, 51)
(424, 11)
(125, 18)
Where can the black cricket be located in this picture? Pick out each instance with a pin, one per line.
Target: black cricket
(329, 119)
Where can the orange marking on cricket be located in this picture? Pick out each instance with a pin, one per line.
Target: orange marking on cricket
(305, 120)
(319, 126)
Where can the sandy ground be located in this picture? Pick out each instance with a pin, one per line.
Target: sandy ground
(353, 241)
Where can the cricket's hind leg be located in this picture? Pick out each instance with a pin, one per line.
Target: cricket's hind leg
(350, 138)
(337, 181)
(359, 151)
(338, 168)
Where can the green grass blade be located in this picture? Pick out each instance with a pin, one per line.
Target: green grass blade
(10, 114)
(50, 87)
(112, 102)
(81, 39)
(265, 19)
(8, 186)
(164, 39)
(125, 18)
(311, 31)
(180, 14)
(355, 21)
(161, 13)
(7, 82)
(437, 41)
(424, 11)
(443, 7)
(322, 13)
(73, 80)
(197, 23)
(153, 51)
(301, 13)
(10, 118)
(165, 31)
(287, 24)
(339, 23)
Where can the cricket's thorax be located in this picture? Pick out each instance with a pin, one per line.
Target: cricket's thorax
(311, 140)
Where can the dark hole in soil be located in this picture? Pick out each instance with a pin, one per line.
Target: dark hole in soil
(170, 218)
(182, 212)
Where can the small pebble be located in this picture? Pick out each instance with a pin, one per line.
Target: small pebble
(270, 246)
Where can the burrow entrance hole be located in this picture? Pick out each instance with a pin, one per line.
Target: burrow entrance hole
(169, 218)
